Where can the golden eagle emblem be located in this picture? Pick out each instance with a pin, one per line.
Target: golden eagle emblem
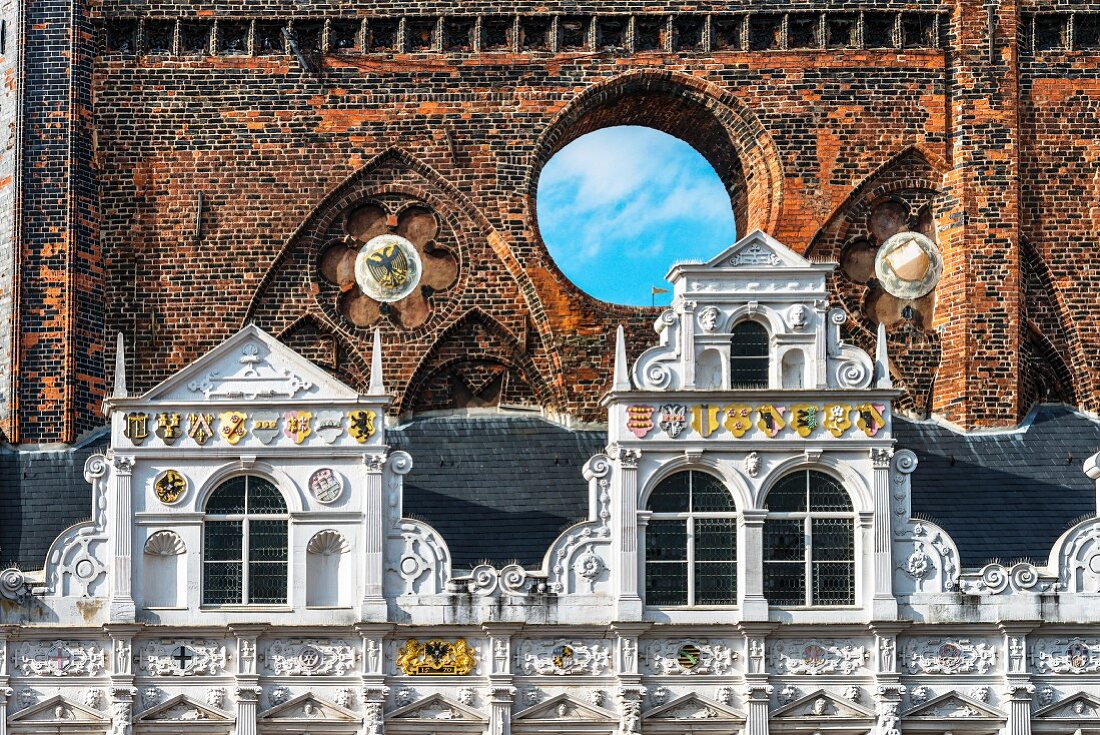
(389, 265)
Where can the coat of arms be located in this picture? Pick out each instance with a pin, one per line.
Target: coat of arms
(639, 420)
(168, 427)
(870, 421)
(673, 419)
(804, 419)
(136, 427)
(170, 487)
(233, 427)
(436, 658)
(297, 425)
(771, 420)
(330, 426)
(837, 419)
(199, 427)
(737, 419)
(265, 426)
(361, 427)
(704, 419)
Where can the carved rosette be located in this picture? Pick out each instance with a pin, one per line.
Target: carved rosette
(949, 656)
(311, 657)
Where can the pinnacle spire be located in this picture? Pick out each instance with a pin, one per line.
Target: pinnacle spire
(882, 360)
(376, 387)
(120, 368)
(622, 375)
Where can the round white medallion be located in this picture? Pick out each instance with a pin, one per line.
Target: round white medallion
(326, 485)
(908, 265)
(388, 268)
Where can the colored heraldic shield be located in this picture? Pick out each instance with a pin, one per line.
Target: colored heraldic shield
(387, 268)
(436, 658)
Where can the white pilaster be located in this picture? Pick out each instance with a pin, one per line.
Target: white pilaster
(122, 608)
(754, 606)
(884, 604)
(373, 608)
(625, 542)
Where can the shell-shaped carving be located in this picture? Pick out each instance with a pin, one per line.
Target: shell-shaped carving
(327, 543)
(165, 543)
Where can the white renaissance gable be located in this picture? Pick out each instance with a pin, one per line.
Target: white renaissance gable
(690, 707)
(307, 707)
(825, 706)
(182, 710)
(564, 707)
(954, 707)
(435, 708)
(58, 714)
(758, 250)
(1080, 706)
(248, 366)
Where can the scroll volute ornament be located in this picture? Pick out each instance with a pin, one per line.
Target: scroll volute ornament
(401, 252)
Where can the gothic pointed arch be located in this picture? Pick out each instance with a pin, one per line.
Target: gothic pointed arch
(1049, 346)
(903, 195)
(313, 295)
(477, 363)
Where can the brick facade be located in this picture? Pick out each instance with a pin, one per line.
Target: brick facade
(186, 166)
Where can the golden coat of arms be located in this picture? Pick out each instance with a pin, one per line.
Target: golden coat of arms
(436, 658)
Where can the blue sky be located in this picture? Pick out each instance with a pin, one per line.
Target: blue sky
(619, 206)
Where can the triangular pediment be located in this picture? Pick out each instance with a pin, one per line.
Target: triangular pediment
(758, 250)
(1080, 706)
(250, 365)
(182, 708)
(309, 707)
(564, 707)
(693, 707)
(58, 709)
(954, 706)
(437, 707)
(824, 705)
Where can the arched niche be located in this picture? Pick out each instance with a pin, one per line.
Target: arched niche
(328, 570)
(164, 576)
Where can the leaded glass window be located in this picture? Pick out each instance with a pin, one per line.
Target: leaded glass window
(809, 542)
(749, 356)
(691, 542)
(245, 544)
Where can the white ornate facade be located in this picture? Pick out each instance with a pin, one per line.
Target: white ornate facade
(749, 563)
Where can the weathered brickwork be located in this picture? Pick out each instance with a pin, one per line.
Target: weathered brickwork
(231, 139)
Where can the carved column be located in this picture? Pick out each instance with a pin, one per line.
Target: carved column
(1018, 688)
(122, 675)
(248, 679)
(5, 690)
(502, 692)
(757, 691)
(122, 709)
(373, 661)
(5, 693)
(884, 605)
(122, 608)
(626, 541)
(373, 527)
(754, 606)
(888, 688)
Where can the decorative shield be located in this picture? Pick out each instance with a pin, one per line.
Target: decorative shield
(704, 419)
(737, 419)
(688, 656)
(326, 485)
(837, 418)
(298, 425)
(804, 419)
(265, 425)
(639, 420)
(168, 427)
(871, 421)
(233, 426)
(136, 427)
(330, 426)
(387, 268)
(771, 420)
(564, 658)
(361, 427)
(200, 427)
(673, 419)
(170, 487)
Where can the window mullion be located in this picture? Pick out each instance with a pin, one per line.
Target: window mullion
(244, 557)
(691, 560)
(809, 559)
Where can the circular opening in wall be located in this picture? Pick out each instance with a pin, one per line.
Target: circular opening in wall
(619, 206)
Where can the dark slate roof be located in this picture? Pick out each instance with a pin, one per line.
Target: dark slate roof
(42, 493)
(499, 489)
(1004, 495)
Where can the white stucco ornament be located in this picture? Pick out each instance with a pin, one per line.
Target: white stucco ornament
(908, 265)
(388, 268)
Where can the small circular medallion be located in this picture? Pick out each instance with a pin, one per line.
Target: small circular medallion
(908, 265)
(950, 656)
(309, 657)
(688, 656)
(170, 487)
(1078, 656)
(326, 485)
(387, 268)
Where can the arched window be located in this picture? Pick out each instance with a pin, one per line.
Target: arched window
(691, 542)
(749, 354)
(245, 544)
(809, 542)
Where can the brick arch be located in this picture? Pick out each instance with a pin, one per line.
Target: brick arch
(313, 337)
(1052, 364)
(479, 344)
(713, 121)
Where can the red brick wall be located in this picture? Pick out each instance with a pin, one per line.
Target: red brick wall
(794, 132)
